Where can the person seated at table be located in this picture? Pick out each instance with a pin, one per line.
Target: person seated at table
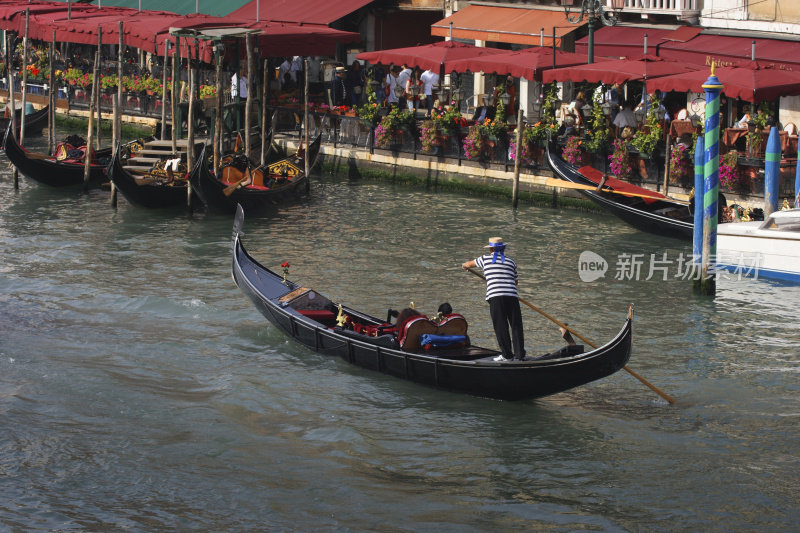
(576, 106)
(483, 112)
(568, 127)
(742, 122)
(625, 118)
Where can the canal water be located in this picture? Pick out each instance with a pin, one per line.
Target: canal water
(140, 390)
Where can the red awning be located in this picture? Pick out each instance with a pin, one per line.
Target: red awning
(689, 45)
(299, 11)
(622, 41)
(279, 39)
(429, 56)
(521, 25)
(527, 64)
(752, 82)
(725, 51)
(618, 71)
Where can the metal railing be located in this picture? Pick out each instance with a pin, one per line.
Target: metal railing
(350, 131)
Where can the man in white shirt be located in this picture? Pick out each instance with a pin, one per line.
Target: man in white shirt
(391, 83)
(282, 70)
(625, 118)
(429, 79)
(239, 84)
(296, 69)
(314, 84)
(402, 81)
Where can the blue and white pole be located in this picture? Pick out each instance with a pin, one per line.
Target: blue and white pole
(713, 89)
(772, 172)
(699, 187)
(797, 180)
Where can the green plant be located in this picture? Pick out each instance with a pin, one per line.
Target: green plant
(108, 82)
(755, 137)
(449, 119)
(368, 112)
(208, 91)
(549, 105)
(397, 118)
(646, 139)
(598, 130)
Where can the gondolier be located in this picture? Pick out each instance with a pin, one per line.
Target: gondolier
(501, 293)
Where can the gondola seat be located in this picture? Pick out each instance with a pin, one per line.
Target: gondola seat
(411, 331)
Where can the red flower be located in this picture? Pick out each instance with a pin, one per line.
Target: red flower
(285, 264)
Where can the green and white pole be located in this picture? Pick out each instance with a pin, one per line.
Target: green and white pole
(713, 89)
(772, 172)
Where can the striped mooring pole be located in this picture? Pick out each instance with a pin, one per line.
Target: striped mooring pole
(713, 89)
(797, 180)
(699, 185)
(772, 172)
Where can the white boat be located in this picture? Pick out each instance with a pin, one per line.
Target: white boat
(768, 249)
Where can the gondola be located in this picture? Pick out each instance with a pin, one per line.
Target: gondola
(34, 122)
(282, 179)
(152, 189)
(49, 170)
(642, 208)
(363, 340)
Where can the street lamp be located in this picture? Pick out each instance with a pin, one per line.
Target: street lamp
(593, 9)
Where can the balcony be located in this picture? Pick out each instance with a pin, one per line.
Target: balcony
(681, 9)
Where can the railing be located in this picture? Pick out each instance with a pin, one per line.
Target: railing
(351, 131)
(660, 7)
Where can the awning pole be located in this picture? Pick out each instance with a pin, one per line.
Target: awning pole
(541, 37)
(753, 51)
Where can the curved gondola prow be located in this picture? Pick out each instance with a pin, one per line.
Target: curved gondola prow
(313, 152)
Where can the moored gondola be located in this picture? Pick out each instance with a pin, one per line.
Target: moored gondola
(34, 122)
(253, 188)
(642, 208)
(49, 170)
(333, 329)
(152, 188)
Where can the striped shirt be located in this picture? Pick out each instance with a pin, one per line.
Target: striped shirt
(501, 277)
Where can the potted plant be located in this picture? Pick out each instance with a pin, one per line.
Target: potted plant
(756, 129)
(619, 160)
(391, 127)
(208, 91)
(679, 163)
(572, 152)
(474, 144)
(109, 83)
(430, 136)
(368, 112)
(597, 136)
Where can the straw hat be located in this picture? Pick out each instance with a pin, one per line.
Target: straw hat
(495, 242)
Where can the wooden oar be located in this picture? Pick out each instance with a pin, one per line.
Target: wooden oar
(655, 389)
(227, 191)
(564, 184)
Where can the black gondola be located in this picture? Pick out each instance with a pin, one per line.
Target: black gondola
(312, 320)
(644, 209)
(49, 170)
(34, 122)
(282, 179)
(149, 190)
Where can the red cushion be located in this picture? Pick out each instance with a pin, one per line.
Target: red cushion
(319, 315)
